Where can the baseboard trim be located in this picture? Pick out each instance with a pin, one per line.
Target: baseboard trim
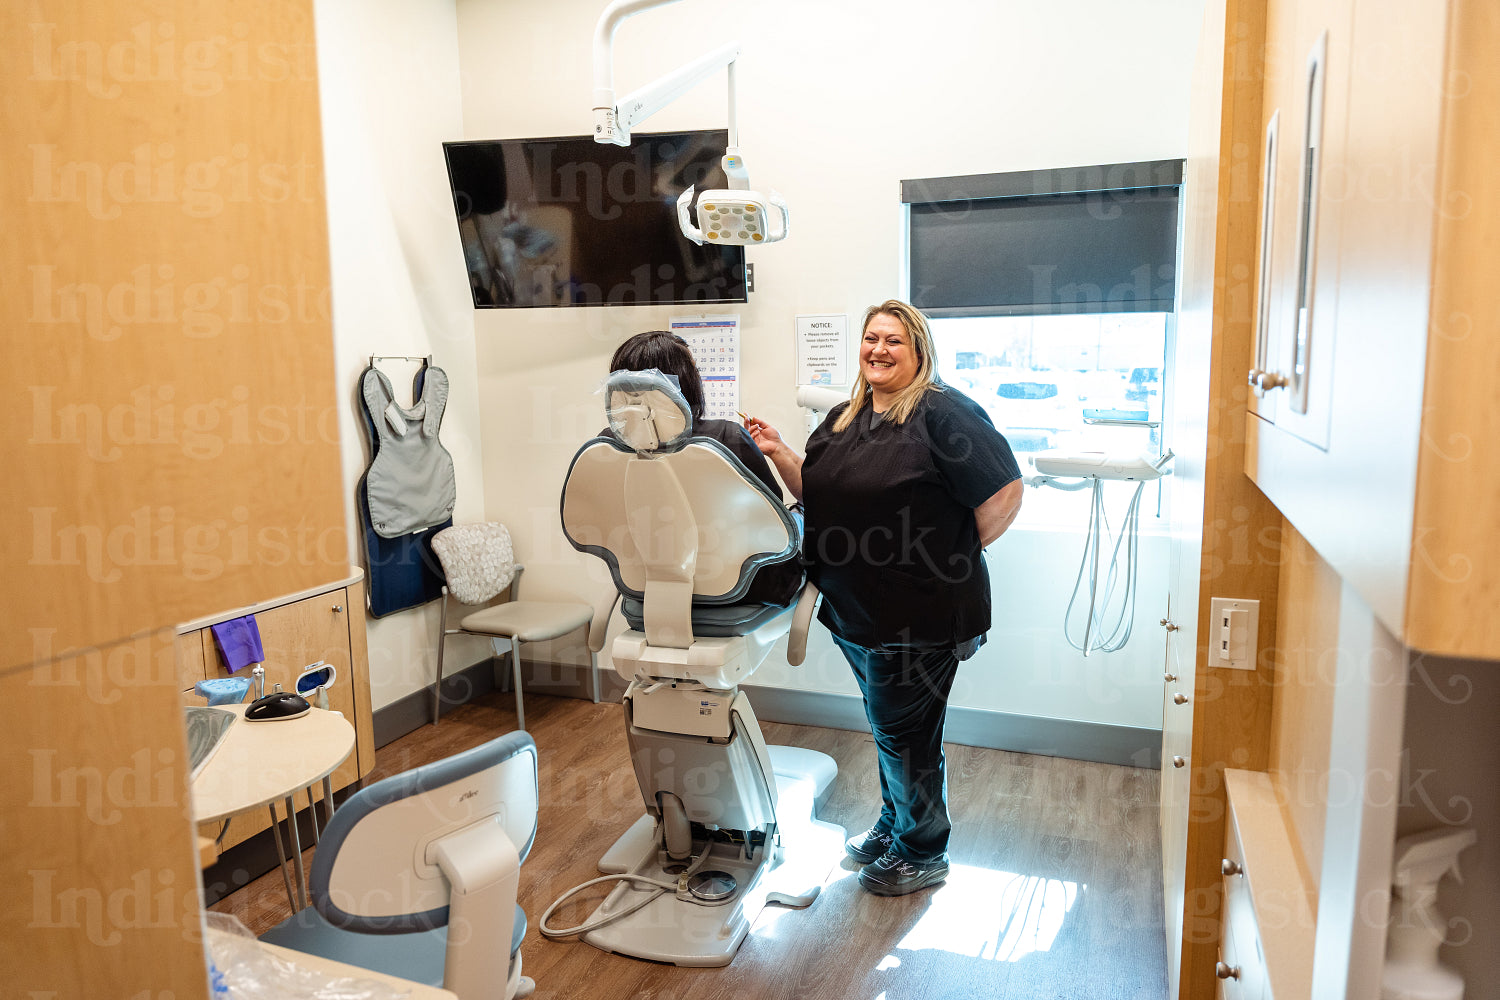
(411, 712)
(975, 727)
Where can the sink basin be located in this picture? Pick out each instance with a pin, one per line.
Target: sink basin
(206, 728)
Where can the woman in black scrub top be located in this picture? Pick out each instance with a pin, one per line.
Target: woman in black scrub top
(903, 486)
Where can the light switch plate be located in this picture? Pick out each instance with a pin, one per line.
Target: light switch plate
(1231, 632)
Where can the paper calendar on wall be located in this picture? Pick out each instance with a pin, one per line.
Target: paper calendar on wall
(715, 343)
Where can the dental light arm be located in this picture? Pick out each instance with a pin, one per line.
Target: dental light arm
(613, 121)
(732, 216)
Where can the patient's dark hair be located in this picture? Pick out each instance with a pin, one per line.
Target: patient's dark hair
(668, 353)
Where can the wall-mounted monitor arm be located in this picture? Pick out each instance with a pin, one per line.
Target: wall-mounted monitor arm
(613, 120)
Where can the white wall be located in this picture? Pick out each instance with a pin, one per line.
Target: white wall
(390, 95)
(837, 103)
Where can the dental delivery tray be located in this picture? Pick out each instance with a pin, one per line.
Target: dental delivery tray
(1095, 465)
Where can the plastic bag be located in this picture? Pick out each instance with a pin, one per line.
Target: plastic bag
(243, 970)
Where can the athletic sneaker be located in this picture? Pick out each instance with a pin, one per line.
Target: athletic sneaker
(868, 846)
(892, 875)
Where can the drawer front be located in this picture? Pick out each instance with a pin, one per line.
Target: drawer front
(1240, 934)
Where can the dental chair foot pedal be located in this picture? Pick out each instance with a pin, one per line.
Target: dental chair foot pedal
(800, 764)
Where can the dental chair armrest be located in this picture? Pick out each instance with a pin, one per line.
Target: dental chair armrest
(603, 608)
(796, 641)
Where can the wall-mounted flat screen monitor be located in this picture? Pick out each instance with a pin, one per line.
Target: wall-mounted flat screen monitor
(572, 222)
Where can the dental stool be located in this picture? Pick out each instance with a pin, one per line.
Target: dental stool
(729, 823)
(416, 875)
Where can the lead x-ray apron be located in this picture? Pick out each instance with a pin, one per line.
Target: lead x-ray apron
(408, 491)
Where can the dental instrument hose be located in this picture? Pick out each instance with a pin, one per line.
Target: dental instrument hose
(659, 885)
(1098, 536)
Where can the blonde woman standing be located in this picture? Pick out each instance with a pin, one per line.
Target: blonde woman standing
(903, 486)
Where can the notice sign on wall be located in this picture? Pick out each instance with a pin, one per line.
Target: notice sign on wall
(821, 350)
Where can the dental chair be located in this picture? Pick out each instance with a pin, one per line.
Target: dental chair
(416, 875)
(729, 823)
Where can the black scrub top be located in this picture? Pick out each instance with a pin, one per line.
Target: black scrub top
(890, 538)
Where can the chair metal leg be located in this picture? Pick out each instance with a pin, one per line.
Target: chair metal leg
(437, 682)
(515, 672)
(594, 675)
(502, 675)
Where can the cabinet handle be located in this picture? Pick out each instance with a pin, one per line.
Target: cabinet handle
(1229, 867)
(1170, 625)
(1264, 382)
(1179, 762)
(338, 609)
(1225, 971)
(1307, 231)
(1169, 678)
(1267, 223)
(1179, 699)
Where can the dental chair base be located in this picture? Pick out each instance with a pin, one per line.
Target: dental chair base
(733, 824)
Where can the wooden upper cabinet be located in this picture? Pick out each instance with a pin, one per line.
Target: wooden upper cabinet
(164, 286)
(1389, 463)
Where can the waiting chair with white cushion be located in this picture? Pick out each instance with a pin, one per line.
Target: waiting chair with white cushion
(416, 875)
(684, 528)
(479, 563)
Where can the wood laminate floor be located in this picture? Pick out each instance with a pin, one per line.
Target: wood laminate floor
(1055, 888)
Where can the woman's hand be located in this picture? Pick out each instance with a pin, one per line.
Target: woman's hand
(766, 437)
(788, 463)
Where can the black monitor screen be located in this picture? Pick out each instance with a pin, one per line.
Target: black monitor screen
(573, 222)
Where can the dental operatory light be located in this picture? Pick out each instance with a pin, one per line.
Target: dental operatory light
(731, 216)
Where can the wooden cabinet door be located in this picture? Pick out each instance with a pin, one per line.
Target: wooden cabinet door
(1278, 196)
(1346, 476)
(1314, 150)
(1305, 187)
(293, 637)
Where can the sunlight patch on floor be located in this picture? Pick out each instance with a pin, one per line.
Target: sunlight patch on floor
(766, 923)
(994, 915)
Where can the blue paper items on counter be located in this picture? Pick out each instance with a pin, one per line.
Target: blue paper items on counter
(223, 690)
(239, 642)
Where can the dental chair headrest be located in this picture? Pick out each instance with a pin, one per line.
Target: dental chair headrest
(647, 411)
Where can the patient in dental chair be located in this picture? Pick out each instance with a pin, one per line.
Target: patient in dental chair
(669, 354)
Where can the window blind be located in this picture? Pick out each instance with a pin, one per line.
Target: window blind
(1046, 242)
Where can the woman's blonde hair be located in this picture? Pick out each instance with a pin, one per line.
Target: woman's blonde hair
(907, 399)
